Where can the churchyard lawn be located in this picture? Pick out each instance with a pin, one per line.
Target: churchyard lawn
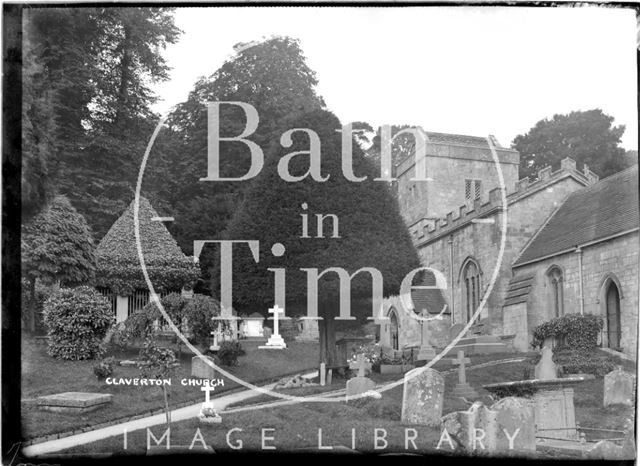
(44, 375)
(297, 426)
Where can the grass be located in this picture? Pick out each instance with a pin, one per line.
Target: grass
(297, 426)
(43, 375)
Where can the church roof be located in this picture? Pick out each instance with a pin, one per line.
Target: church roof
(155, 239)
(598, 211)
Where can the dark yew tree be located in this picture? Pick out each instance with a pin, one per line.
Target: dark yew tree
(587, 137)
(371, 231)
(273, 77)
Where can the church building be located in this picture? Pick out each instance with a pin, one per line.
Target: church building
(570, 246)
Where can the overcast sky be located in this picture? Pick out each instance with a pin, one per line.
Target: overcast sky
(465, 70)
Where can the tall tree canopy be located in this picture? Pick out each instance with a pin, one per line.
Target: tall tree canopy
(273, 77)
(91, 70)
(587, 137)
(370, 228)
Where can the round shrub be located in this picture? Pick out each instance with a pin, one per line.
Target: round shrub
(199, 313)
(77, 319)
(229, 352)
(104, 368)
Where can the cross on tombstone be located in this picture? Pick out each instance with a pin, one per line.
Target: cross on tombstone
(207, 389)
(460, 361)
(360, 365)
(276, 310)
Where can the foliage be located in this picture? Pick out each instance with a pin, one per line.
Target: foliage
(156, 362)
(574, 331)
(77, 320)
(584, 362)
(229, 352)
(376, 355)
(523, 391)
(118, 261)
(90, 101)
(104, 368)
(371, 231)
(272, 75)
(194, 318)
(199, 314)
(587, 137)
(57, 245)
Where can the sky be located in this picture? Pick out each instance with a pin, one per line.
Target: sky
(466, 70)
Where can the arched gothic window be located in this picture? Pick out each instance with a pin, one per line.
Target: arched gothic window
(471, 278)
(556, 286)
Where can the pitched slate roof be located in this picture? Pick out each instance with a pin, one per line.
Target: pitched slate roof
(155, 239)
(518, 291)
(603, 209)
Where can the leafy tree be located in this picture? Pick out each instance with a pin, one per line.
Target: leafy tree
(371, 231)
(271, 75)
(587, 137)
(401, 147)
(158, 363)
(56, 245)
(98, 64)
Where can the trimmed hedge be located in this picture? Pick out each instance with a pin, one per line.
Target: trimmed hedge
(77, 320)
(574, 331)
(118, 262)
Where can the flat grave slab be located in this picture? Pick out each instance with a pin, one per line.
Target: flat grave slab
(74, 402)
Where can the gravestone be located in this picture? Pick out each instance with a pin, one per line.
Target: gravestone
(422, 397)
(200, 369)
(516, 424)
(546, 369)
(275, 341)
(208, 413)
(360, 383)
(74, 402)
(555, 414)
(607, 450)
(619, 388)
(474, 429)
(462, 388)
(363, 367)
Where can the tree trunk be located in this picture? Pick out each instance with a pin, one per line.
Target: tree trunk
(327, 331)
(166, 405)
(31, 317)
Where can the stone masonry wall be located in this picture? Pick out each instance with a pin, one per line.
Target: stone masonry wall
(481, 242)
(617, 257)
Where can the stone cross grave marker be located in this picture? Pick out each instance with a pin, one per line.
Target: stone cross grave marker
(208, 414)
(360, 365)
(462, 388)
(207, 388)
(360, 383)
(275, 341)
